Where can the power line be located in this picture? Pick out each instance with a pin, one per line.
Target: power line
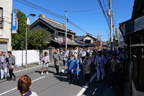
(39, 8)
(104, 13)
(104, 6)
(86, 10)
(27, 3)
(77, 26)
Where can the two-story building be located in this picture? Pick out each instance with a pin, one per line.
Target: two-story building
(57, 31)
(86, 41)
(5, 24)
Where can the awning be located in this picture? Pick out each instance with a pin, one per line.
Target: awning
(132, 26)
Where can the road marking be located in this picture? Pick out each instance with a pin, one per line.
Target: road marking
(94, 91)
(16, 87)
(29, 68)
(86, 86)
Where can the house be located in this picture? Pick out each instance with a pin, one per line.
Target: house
(86, 41)
(57, 31)
(133, 33)
(5, 25)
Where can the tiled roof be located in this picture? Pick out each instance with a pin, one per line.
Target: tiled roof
(54, 23)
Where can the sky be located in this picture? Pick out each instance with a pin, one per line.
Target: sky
(93, 22)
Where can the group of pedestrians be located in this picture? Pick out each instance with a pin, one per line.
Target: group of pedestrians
(7, 63)
(102, 61)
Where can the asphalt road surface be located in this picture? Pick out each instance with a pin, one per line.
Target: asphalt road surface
(53, 85)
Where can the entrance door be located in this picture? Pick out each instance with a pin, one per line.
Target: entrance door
(3, 46)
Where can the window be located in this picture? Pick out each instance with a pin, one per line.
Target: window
(1, 18)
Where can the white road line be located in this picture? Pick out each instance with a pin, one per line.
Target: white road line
(16, 87)
(94, 91)
(29, 68)
(86, 86)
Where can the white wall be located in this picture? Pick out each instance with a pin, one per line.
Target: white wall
(6, 31)
(88, 38)
(32, 57)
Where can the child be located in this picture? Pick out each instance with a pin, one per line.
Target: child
(86, 68)
(45, 61)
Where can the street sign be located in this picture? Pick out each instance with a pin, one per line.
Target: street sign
(64, 39)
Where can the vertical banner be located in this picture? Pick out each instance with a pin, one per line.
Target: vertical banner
(14, 21)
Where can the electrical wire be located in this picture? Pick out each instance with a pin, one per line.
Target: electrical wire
(25, 2)
(86, 10)
(40, 8)
(104, 13)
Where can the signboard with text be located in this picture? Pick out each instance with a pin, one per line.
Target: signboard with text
(14, 21)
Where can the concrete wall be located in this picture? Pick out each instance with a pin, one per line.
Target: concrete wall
(32, 57)
(5, 33)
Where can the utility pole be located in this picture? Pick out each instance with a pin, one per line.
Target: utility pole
(66, 29)
(111, 15)
(26, 39)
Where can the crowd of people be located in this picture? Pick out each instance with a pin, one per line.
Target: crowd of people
(102, 61)
(7, 62)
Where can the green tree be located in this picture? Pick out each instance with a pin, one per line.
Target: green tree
(18, 40)
(38, 38)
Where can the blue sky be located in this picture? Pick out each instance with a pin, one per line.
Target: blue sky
(93, 22)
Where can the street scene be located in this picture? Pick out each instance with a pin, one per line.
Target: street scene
(71, 48)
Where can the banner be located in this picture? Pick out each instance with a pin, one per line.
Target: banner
(14, 21)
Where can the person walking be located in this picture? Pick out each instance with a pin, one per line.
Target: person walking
(115, 70)
(67, 67)
(57, 60)
(75, 68)
(24, 86)
(3, 65)
(11, 62)
(100, 61)
(45, 61)
(41, 56)
(109, 58)
(86, 68)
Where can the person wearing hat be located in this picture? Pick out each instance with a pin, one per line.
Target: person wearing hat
(100, 61)
(3, 66)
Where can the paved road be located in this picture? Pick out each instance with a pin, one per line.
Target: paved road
(53, 85)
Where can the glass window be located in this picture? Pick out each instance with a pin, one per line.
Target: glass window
(1, 17)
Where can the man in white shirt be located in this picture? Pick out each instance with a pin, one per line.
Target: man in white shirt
(83, 54)
(100, 61)
(45, 61)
